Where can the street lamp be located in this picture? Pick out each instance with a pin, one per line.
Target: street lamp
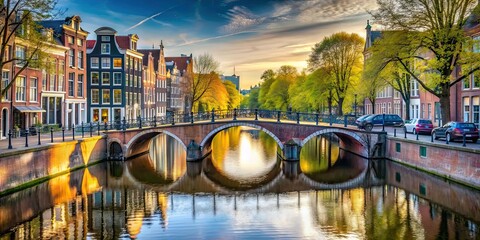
(355, 104)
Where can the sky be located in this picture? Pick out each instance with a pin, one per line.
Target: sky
(249, 36)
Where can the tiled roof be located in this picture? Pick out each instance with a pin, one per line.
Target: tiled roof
(91, 44)
(123, 42)
(181, 62)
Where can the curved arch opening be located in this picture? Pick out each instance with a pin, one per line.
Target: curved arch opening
(207, 140)
(348, 140)
(324, 160)
(141, 142)
(115, 151)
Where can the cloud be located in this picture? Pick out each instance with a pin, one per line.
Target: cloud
(210, 38)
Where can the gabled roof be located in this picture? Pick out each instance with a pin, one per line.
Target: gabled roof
(91, 44)
(55, 25)
(181, 62)
(123, 42)
(155, 54)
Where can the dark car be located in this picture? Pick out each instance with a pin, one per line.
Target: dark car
(455, 130)
(359, 119)
(377, 120)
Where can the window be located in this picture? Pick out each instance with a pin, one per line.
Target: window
(94, 63)
(105, 38)
(80, 59)
(105, 48)
(429, 113)
(20, 55)
(61, 78)
(71, 88)
(94, 78)
(117, 78)
(44, 80)
(106, 96)
(95, 96)
(476, 110)
(476, 79)
(20, 85)
(5, 81)
(79, 42)
(53, 81)
(71, 57)
(105, 78)
(398, 147)
(33, 89)
(117, 96)
(423, 151)
(117, 63)
(70, 39)
(80, 85)
(106, 63)
(414, 88)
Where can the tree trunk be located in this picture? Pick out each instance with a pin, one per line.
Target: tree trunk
(407, 109)
(445, 107)
(330, 105)
(373, 104)
(340, 106)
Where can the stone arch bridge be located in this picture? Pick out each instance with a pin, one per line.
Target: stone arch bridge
(290, 137)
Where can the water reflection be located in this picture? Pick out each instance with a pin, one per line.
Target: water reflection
(322, 160)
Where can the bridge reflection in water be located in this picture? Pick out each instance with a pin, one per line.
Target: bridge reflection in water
(160, 195)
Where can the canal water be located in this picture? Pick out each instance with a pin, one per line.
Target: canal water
(243, 190)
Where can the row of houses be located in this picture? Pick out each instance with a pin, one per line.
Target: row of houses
(464, 96)
(106, 79)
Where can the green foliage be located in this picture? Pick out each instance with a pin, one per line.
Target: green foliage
(435, 42)
(234, 97)
(341, 55)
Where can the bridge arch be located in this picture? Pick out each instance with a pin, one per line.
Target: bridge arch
(207, 139)
(141, 141)
(349, 137)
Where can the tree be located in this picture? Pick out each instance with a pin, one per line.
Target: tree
(268, 77)
(251, 100)
(18, 19)
(216, 97)
(436, 42)
(278, 92)
(341, 53)
(234, 97)
(204, 77)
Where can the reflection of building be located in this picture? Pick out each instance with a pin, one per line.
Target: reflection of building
(114, 76)
(168, 157)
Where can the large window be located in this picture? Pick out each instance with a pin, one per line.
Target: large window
(414, 88)
(106, 63)
(105, 78)
(117, 96)
(80, 59)
(20, 54)
(5, 81)
(105, 48)
(117, 63)
(106, 96)
(53, 81)
(33, 89)
(80, 85)
(71, 57)
(71, 86)
(105, 38)
(117, 78)
(94, 78)
(95, 96)
(20, 86)
(94, 62)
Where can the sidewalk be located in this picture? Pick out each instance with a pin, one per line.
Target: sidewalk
(18, 143)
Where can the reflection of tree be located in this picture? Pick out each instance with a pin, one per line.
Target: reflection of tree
(319, 154)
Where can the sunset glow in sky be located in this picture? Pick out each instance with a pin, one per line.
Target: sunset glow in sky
(251, 35)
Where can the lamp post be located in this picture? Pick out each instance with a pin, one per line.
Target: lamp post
(355, 104)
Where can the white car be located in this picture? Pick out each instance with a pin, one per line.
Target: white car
(418, 126)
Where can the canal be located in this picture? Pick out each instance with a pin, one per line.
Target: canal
(243, 190)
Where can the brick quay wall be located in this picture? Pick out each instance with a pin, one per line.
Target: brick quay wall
(30, 166)
(460, 164)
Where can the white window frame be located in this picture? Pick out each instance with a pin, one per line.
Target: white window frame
(94, 62)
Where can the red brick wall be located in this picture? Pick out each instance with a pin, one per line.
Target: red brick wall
(459, 163)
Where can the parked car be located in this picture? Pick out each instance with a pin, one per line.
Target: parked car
(455, 130)
(377, 120)
(359, 119)
(419, 126)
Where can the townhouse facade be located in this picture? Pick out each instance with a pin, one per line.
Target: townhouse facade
(155, 82)
(422, 104)
(179, 74)
(69, 33)
(115, 71)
